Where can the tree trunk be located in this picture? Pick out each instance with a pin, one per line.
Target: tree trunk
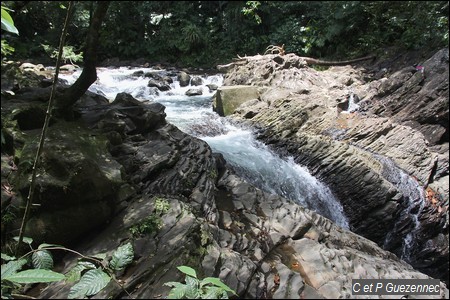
(89, 74)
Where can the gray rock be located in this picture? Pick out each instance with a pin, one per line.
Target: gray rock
(184, 78)
(196, 80)
(401, 117)
(194, 92)
(228, 98)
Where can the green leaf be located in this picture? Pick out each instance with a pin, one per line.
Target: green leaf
(8, 23)
(192, 291)
(122, 257)
(42, 260)
(25, 239)
(74, 274)
(92, 282)
(35, 276)
(12, 267)
(7, 257)
(178, 292)
(217, 282)
(213, 292)
(188, 271)
(44, 245)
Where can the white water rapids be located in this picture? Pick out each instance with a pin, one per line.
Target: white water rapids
(251, 159)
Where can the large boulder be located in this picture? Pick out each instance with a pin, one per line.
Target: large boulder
(76, 184)
(228, 98)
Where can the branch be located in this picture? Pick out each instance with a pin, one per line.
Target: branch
(44, 131)
(89, 74)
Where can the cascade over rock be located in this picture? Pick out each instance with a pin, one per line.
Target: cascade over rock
(260, 244)
(400, 120)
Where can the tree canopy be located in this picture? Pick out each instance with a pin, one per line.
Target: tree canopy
(196, 33)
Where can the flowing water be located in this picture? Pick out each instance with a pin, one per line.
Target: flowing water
(414, 196)
(352, 105)
(251, 159)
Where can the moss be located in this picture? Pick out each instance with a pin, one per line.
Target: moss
(320, 68)
(162, 206)
(188, 183)
(151, 224)
(154, 222)
(213, 174)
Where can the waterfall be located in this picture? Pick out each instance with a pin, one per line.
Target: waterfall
(250, 159)
(414, 202)
(352, 103)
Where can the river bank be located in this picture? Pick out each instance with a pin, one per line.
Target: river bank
(260, 244)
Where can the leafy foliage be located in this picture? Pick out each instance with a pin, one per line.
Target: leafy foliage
(68, 55)
(34, 276)
(7, 22)
(74, 274)
(12, 267)
(201, 33)
(162, 206)
(6, 48)
(26, 240)
(42, 260)
(90, 274)
(150, 224)
(207, 288)
(122, 257)
(92, 282)
(153, 223)
(251, 10)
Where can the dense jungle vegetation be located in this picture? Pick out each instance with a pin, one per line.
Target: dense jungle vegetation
(204, 33)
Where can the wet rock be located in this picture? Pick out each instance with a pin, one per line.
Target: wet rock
(260, 244)
(212, 87)
(158, 84)
(194, 92)
(30, 116)
(184, 78)
(196, 80)
(68, 68)
(302, 253)
(138, 73)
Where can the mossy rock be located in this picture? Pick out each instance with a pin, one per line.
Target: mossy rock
(77, 179)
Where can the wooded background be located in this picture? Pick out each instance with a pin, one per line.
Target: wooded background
(204, 33)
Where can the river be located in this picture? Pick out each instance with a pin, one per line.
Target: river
(249, 158)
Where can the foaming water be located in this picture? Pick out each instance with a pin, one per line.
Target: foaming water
(251, 159)
(256, 163)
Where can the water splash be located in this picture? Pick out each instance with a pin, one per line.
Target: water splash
(257, 164)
